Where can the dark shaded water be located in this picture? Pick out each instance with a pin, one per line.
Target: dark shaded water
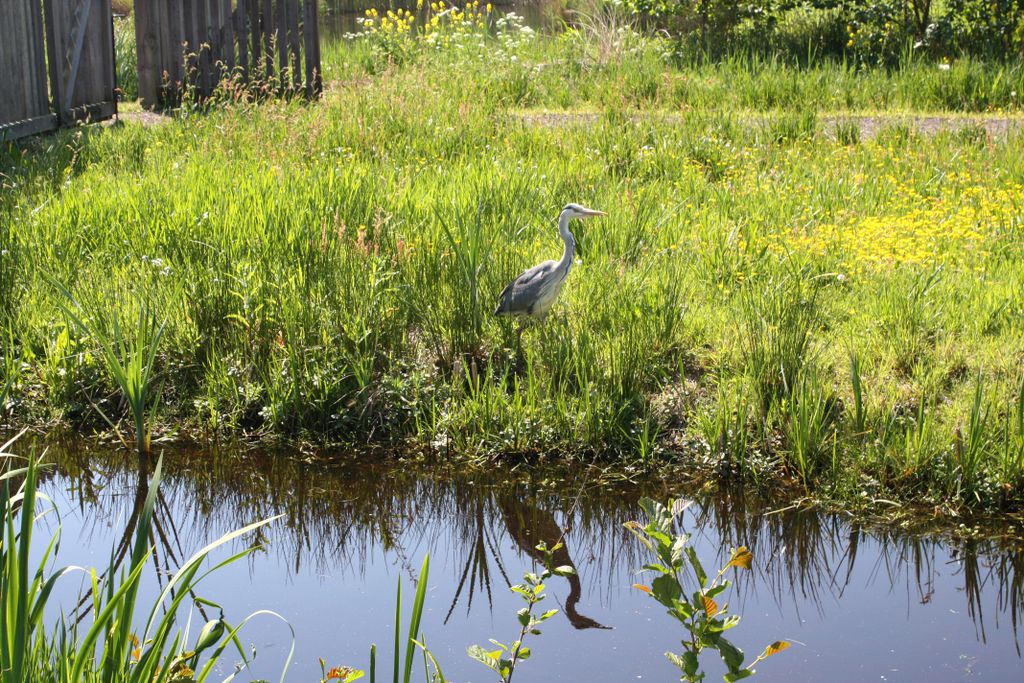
(865, 605)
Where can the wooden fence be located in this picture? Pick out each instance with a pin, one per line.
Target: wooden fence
(56, 64)
(198, 43)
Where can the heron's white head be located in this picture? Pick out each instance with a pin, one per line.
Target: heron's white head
(574, 211)
(577, 211)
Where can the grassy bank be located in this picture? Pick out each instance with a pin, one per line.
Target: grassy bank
(763, 299)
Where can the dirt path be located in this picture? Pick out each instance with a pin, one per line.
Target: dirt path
(869, 126)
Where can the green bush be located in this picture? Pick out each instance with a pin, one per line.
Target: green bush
(126, 58)
(871, 33)
(984, 28)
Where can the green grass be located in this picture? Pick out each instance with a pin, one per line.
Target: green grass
(327, 271)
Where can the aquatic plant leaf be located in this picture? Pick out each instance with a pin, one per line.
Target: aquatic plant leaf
(738, 675)
(666, 590)
(698, 569)
(488, 659)
(710, 606)
(690, 663)
(776, 647)
(741, 557)
(731, 655)
(715, 590)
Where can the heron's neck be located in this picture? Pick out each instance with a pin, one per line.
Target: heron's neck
(570, 242)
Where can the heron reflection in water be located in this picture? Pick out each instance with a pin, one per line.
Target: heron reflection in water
(528, 525)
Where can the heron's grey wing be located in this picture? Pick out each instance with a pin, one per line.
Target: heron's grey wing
(520, 294)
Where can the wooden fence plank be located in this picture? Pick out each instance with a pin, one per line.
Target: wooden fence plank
(164, 43)
(241, 18)
(23, 89)
(174, 58)
(148, 64)
(23, 128)
(190, 33)
(294, 44)
(314, 54)
(216, 47)
(282, 42)
(309, 10)
(227, 37)
(103, 44)
(71, 78)
(269, 41)
(255, 37)
(37, 99)
(58, 36)
(205, 62)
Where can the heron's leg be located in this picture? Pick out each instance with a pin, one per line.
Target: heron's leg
(520, 327)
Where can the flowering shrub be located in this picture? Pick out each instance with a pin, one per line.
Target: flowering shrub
(399, 36)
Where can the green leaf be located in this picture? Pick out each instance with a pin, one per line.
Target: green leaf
(523, 616)
(738, 675)
(676, 659)
(564, 570)
(488, 659)
(690, 663)
(730, 622)
(731, 655)
(698, 569)
(682, 610)
(712, 592)
(666, 590)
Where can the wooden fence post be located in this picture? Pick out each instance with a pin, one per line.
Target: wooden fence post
(146, 45)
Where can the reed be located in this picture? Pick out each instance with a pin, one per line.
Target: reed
(104, 648)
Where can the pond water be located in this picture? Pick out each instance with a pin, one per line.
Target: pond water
(859, 604)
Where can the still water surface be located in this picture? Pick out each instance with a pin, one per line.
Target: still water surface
(865, 605)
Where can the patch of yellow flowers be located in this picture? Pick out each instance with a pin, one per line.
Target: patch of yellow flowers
(438, 17)
(960, 229)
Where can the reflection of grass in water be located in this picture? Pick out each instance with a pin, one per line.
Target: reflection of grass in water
(343, 515)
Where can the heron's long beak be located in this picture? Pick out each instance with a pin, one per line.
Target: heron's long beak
(593, 212)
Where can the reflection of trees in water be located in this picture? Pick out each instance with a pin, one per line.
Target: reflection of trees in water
(337, 516)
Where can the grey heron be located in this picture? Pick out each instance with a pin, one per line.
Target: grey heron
(532, 294)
